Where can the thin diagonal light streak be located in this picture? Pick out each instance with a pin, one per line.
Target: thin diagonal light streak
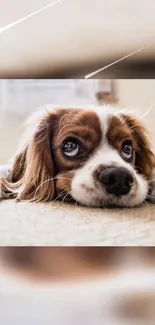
(3, 29)
(109, 65)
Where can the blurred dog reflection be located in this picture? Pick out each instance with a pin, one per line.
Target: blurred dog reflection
(120, 290)
(62, 262)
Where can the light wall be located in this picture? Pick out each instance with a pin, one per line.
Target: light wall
(139, 94)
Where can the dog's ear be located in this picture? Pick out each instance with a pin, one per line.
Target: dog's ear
(33, 171)
(145, 158)
(151, 194)
(39, 170)
(18, 166)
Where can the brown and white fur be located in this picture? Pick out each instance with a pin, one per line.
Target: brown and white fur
(42, 171)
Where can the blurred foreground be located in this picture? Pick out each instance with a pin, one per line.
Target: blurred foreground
(65, 286)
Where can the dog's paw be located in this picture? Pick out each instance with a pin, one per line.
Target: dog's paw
(1, 194)
(5, 170)
(151, 194)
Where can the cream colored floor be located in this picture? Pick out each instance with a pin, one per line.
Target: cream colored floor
(66, 224)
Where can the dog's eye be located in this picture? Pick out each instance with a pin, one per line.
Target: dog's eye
(127, 150)
(71, 148)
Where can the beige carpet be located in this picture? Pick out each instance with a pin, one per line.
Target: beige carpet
(66, 224)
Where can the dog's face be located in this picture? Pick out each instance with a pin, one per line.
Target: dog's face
(95, 157)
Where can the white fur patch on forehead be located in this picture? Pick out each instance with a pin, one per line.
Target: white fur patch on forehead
(103, 114)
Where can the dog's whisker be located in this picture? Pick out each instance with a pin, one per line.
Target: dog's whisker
(65, 126)
(130, 110)
(151, 196)
(147, 112)
(48, 180)
(61, 194)
(59, 177)
(67, 194)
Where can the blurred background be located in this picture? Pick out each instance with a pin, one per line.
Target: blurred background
(73, 38)
(77, 285)
(19, 97)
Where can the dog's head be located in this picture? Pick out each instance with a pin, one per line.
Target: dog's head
(95, 157)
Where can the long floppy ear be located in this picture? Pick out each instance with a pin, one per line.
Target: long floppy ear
(38, 183)
(33, 168)
(145, 158)
(151, 194)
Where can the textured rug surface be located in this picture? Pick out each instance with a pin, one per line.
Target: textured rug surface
(67, 224)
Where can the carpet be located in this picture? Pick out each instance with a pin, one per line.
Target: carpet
(68, 224)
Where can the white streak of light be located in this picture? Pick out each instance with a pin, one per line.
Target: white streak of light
(3, 29)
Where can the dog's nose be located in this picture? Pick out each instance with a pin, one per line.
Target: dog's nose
(116, 180)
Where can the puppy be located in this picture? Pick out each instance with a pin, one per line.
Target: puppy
(58, 263)
(96, 157)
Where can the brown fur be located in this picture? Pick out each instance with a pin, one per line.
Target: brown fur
(117, 133)
(40, 169)
(145, 159)
(128, 128)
